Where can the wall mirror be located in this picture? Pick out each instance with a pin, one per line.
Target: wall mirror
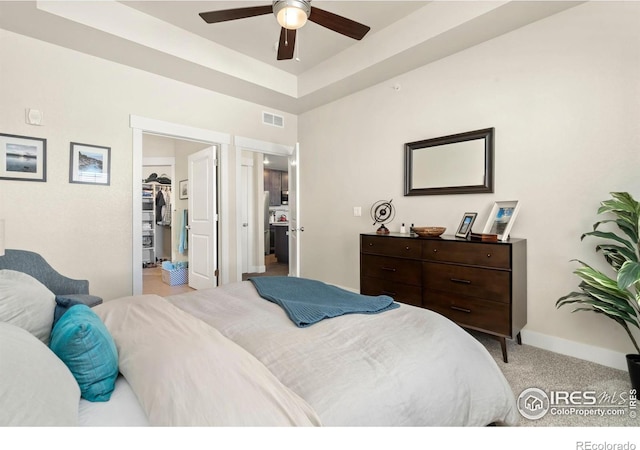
(456, 164)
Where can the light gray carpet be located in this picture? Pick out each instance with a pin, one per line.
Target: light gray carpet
(531, 367)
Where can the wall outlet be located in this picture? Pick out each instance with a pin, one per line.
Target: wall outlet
(357, 211)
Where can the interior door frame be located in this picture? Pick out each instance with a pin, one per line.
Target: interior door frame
(257, 146)
(144, 125)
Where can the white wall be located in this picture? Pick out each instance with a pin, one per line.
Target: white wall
(564, 97)
(86, 231)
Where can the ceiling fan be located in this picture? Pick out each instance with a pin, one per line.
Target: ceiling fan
(291, 15)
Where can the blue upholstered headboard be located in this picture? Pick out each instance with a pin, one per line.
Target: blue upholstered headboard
(35, 265)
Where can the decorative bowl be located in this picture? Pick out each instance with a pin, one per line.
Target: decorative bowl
(429, 231)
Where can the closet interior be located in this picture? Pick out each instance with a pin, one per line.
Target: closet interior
(156, 220)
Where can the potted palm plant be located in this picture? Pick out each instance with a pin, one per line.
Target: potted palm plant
(616, 296)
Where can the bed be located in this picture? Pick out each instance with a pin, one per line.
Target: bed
(228, 357)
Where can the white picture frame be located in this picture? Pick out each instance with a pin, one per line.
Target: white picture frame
(501, 219)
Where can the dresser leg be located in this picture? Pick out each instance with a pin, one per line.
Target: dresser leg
(519, 339)
(503, 344)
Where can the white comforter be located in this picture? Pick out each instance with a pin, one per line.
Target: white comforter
(185, 373)
(408, 366)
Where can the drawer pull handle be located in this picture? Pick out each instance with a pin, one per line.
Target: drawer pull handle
(390, 294)
(435, 250)
(407, 248)
(389, 269)
(370, 244)
(464, 310)
(488, 255)
(457, 280)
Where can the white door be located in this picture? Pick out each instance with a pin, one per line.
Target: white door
(295, 230)
(202, 219)
(244, 216)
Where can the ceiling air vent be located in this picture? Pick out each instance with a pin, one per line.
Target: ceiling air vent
(272, 119)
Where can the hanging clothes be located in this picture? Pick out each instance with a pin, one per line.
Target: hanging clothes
(182, 247)
(160, 203)
(166, 212)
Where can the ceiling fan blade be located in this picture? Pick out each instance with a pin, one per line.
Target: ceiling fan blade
(235, 13)
(338, 23)
(287, 43)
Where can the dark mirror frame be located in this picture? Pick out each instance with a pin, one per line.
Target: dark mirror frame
(486, 134)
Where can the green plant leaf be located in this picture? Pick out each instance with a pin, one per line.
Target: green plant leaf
(629, 275)
(625, 226)
(616, 255)
(612, 236)
(600, 281)
(625, 208)
(614, 301)
(620, 203)
(620, 318)
(618, 299)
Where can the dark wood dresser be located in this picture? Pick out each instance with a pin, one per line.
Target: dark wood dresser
(479, 285)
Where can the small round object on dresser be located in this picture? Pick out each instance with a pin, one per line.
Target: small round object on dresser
(429, 231)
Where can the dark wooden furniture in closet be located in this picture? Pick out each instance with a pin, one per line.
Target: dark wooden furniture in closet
(479, 285)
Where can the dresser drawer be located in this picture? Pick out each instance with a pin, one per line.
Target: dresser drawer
(400, 292)
(402, 247)
(471, 253)
(488, 284)
(483, 315)
(392, 269)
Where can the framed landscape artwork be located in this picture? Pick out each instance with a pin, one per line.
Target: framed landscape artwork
(89, 164)
(183, 189)
(23, 158)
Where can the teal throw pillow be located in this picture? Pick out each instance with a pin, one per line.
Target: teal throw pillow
(84, 344)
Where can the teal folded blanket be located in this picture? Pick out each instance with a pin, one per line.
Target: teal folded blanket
(309, 301)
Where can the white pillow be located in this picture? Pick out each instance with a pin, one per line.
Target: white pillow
(26, 303)
(36, 388)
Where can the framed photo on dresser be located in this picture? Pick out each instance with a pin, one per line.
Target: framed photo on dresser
(465, 225)
(501, 219)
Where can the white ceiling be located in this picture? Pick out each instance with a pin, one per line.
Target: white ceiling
(238, 57)
(257, 36)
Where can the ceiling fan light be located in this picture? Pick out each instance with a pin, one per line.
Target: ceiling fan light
(292, 14)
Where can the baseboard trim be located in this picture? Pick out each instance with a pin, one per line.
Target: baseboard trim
(597, 355)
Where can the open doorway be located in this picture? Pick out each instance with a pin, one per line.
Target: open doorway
(164, 209)
(218, 143)
(265, 214)
(264, 202)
